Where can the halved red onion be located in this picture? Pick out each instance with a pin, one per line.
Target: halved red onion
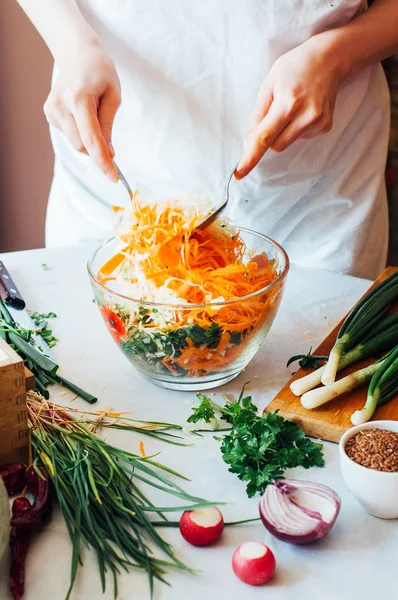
(298, 511)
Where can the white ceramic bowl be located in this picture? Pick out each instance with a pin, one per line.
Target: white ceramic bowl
(377, 491)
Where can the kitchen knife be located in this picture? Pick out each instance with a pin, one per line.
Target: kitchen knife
(16, 306)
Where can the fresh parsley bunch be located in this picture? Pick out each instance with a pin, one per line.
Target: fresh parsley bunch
(259, 449)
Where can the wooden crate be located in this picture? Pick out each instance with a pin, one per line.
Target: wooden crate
(14, 442)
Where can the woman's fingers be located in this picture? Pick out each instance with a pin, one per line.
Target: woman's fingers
(305, 126)
(83, 103)
(52, 110)
(59, 116)
(295, 101)
(108, 107)
(262, 105)
(263, 138)
(86, 118)
(68, 126)
(281, 127)
(79, 121)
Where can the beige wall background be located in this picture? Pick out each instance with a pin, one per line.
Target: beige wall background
(26, 158)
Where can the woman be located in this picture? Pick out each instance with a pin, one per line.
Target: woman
(189, 73)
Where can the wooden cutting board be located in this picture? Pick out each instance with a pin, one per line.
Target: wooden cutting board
(330, 421)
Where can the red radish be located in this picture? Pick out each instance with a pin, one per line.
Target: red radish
(202, 527)
(253, 563)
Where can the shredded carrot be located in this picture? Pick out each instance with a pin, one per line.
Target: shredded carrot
(111, 265)
(142, 449)
(107, 279)
(196, 266)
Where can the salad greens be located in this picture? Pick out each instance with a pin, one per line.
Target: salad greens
(148, 338)
(173, 341)
(258, 449)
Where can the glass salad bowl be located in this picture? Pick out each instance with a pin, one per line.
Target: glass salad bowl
(192, 346)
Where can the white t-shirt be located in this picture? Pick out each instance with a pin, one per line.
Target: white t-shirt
(190, 72)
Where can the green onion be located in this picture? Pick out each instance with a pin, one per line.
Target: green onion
(44, 369)
(383, 387)
(382, 337)
(42, 377)
(98, 487)
(76, 389)
(363, 317)
(6, 315)
(388, 389)
(319, 396)
(227, 523)
(41, 388)
(383, 327)
(43, 362)
(159, 431)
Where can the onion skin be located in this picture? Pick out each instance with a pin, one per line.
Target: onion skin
(311, 532)
(316, 534)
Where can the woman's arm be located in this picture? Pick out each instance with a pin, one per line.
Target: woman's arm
(297, 98)
(86, 95)
(61, 25)
(370, 38)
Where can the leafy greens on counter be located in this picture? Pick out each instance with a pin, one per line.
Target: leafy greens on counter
(43, 368)
(259, 449)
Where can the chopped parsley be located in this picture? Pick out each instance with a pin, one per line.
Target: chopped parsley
(204, 412)
(259, 449)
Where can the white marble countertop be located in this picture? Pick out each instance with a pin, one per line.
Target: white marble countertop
(357, 560)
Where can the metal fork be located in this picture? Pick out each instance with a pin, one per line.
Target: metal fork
(214, 215)
(211, 218)
(124, 181)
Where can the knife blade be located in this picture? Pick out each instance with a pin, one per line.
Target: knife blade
(16, 306)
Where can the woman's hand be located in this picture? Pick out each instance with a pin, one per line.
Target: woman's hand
(84, 101)
(296, 100)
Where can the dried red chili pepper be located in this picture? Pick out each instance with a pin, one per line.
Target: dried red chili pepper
(13, 476)
(19, 544)
(41, 509)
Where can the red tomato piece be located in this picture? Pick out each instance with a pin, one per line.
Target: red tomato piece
(114, 323)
